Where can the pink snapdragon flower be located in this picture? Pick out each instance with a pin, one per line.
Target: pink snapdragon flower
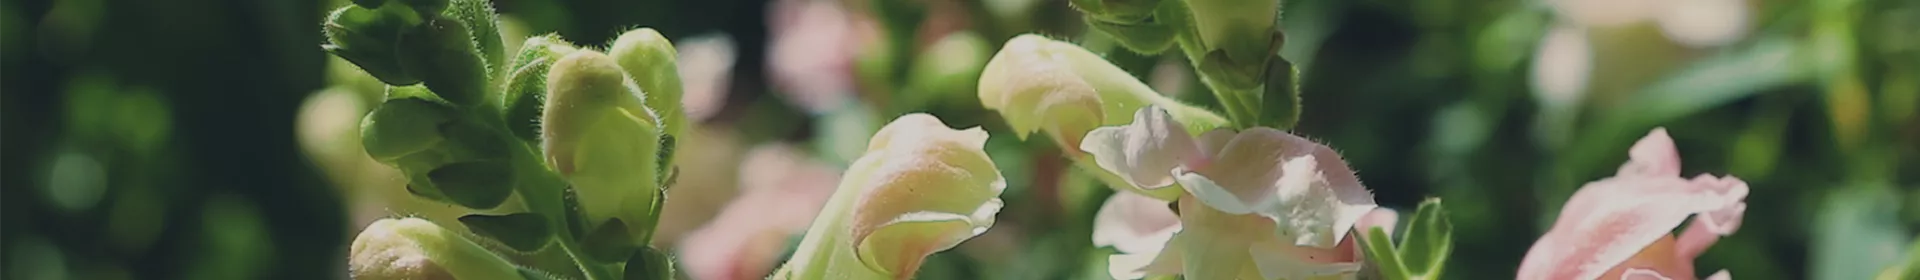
(1259, 203)
(1620, 227)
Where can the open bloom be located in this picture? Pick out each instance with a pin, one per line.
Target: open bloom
(1619, 227)
(920, 188)
(1261, 203)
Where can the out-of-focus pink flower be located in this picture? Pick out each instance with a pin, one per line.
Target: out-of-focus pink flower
(1619, 227)
(706, 68)
(812, 54)
(782, 191)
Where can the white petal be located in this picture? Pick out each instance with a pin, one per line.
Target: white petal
(1134, 223)
(1144, 152)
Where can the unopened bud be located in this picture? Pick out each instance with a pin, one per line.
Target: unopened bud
(403, 126)
(598, 136)
(650, 59)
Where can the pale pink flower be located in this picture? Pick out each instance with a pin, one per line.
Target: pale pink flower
(1620, 227)
(782, 190)
(812, 52)
(1261, 203)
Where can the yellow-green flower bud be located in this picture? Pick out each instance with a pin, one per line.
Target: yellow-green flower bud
(1040, 84)
(441, 53)
(598, 136)
(413, 248)
(367, 36)
(1235, 40)
(650, 59)
(920, 188)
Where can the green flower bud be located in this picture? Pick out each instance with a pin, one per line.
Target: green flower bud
(1234, 40)
(650, 59)
(597, 135)
(1117, 11)
(413, 248)
(527, 83)
(367, 36)
(403, 126)
(442, 55)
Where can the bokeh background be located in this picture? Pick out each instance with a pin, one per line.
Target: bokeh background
(213, 139)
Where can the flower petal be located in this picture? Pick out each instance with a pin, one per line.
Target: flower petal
(1145, 152)
(1643, 274)
(1610, 220)
(1653, 155)
(1035, 89)
(1278, 259)
(1134, 223)
(1139, 265)
(924, 188)
(1304, 187)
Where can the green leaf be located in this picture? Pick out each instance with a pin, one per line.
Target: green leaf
(474, 184)
(524, 232)
(1853, 230)
(609, 243)
(1379, 248)
(1428, 241)
(648, 263)
(403, 126)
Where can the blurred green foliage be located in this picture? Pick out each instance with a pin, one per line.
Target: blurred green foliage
(156, 139)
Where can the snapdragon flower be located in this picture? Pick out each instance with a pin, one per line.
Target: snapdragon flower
(1619, 227)
(920, 188)
(1260, 203)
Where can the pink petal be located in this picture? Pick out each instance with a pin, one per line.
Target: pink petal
(1134, 223)
(1383, 218)
(1653, 155)
(1610, 220)
(1643, 274)
(1144, 153)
